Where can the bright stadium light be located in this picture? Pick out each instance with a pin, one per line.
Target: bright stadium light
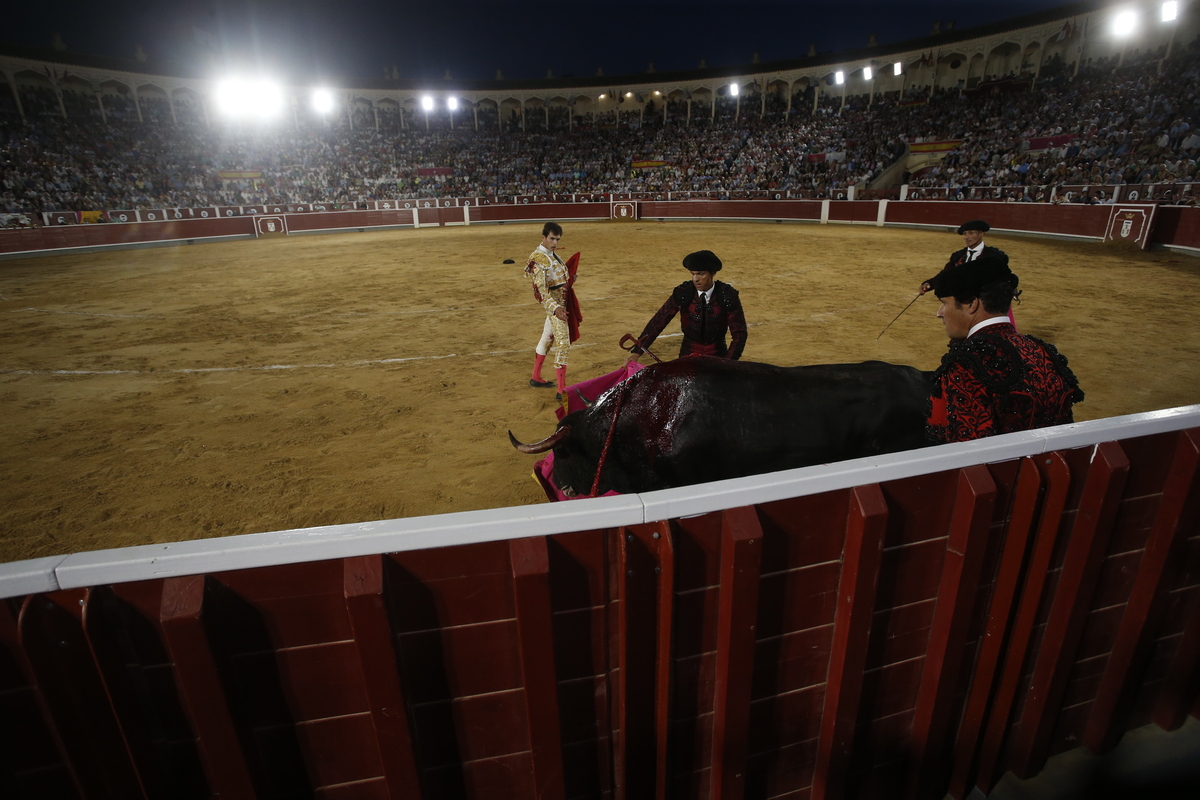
(733, 89)
(322, 101)
(427, 103)
(237, 98)
(1170, 11)
(839, 77)
(233, 97)
(867, 73)
(452, 104)
(896, 68)
(601, 97)
(268, 99)
(1125, 23)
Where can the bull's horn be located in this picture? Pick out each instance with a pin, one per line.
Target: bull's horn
(545, 444)
(583, 397)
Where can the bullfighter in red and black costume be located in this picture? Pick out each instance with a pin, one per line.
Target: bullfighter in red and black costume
(993, 380)
(708, 309)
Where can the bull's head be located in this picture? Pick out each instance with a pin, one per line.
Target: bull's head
(548, 443)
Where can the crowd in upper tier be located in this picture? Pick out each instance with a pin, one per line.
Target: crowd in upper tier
(1136, 123)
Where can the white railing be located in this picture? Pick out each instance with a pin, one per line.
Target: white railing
(156, 561)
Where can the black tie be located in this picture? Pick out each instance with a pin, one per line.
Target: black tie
(703, 317)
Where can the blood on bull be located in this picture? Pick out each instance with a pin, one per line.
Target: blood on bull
(703, 419)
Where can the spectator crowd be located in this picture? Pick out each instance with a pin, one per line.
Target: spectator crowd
(1132, 124)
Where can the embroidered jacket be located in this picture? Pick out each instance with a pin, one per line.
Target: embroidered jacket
(999, 381)
(704, 334)
(549, 275)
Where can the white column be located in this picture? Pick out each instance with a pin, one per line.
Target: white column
(137, 105)
(100, 103)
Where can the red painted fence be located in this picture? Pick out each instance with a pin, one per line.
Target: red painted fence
(899, 626)
(1148, 224)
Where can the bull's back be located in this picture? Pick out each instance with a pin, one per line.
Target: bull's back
(704, 419)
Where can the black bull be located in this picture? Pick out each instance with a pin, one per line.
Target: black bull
(704, 419)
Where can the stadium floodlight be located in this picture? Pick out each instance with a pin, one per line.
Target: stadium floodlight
(427, 103)
(1170, 11)
(452, 104)
(233, 97)
(896, 68)
(322, 100)
(839, 77)
(867, 73)
(601, 97)
(268, 99)
(733, 89)
(657, 92)
(238, 98)
(1125, 22)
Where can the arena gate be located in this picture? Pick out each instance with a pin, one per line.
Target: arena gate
(902, 625)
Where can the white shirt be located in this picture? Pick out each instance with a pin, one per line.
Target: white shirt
(989, 321)
(974, 252)
(708, 295)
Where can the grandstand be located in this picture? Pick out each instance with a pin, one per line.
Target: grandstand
(1022, 112)
(923, 624)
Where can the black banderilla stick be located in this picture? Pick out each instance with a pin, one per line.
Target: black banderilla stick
(635, 343)
(898, 316)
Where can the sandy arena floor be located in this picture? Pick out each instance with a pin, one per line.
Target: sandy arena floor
(177, 393)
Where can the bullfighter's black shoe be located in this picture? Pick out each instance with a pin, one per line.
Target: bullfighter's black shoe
(541, 384)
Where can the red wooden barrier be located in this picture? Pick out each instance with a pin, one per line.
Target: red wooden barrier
(842, 642)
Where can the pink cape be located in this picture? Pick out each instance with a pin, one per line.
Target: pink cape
(543, 470)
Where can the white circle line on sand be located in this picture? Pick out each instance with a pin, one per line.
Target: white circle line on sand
(263, 368)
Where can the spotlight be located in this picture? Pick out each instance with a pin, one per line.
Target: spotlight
(268, 99)
(601, 97)
(629, 94)
(896, 68)
(322, 100)
(839, 77)
(733, 90)
(237, 98)
(427, 103)
(1170, 11)
(233, 97)
(452, 104)
(1125, 23)
(867, 73)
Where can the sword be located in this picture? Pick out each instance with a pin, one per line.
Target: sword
(898, 316)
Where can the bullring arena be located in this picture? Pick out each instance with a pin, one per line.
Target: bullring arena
(164, 394)
(263, 533)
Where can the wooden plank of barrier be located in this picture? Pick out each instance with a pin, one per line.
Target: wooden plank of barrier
(663, 546)
(1182, 685)
(639, 755)
(37, 748)
(374, 643)
(52, 636)
(531, 591)
(1068, 611)
(200, 688)
(737, 613)
(113, 652)
(970, 520)
(861, 557)
(1057, 476)
(1000, 615)
(1143, 611)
